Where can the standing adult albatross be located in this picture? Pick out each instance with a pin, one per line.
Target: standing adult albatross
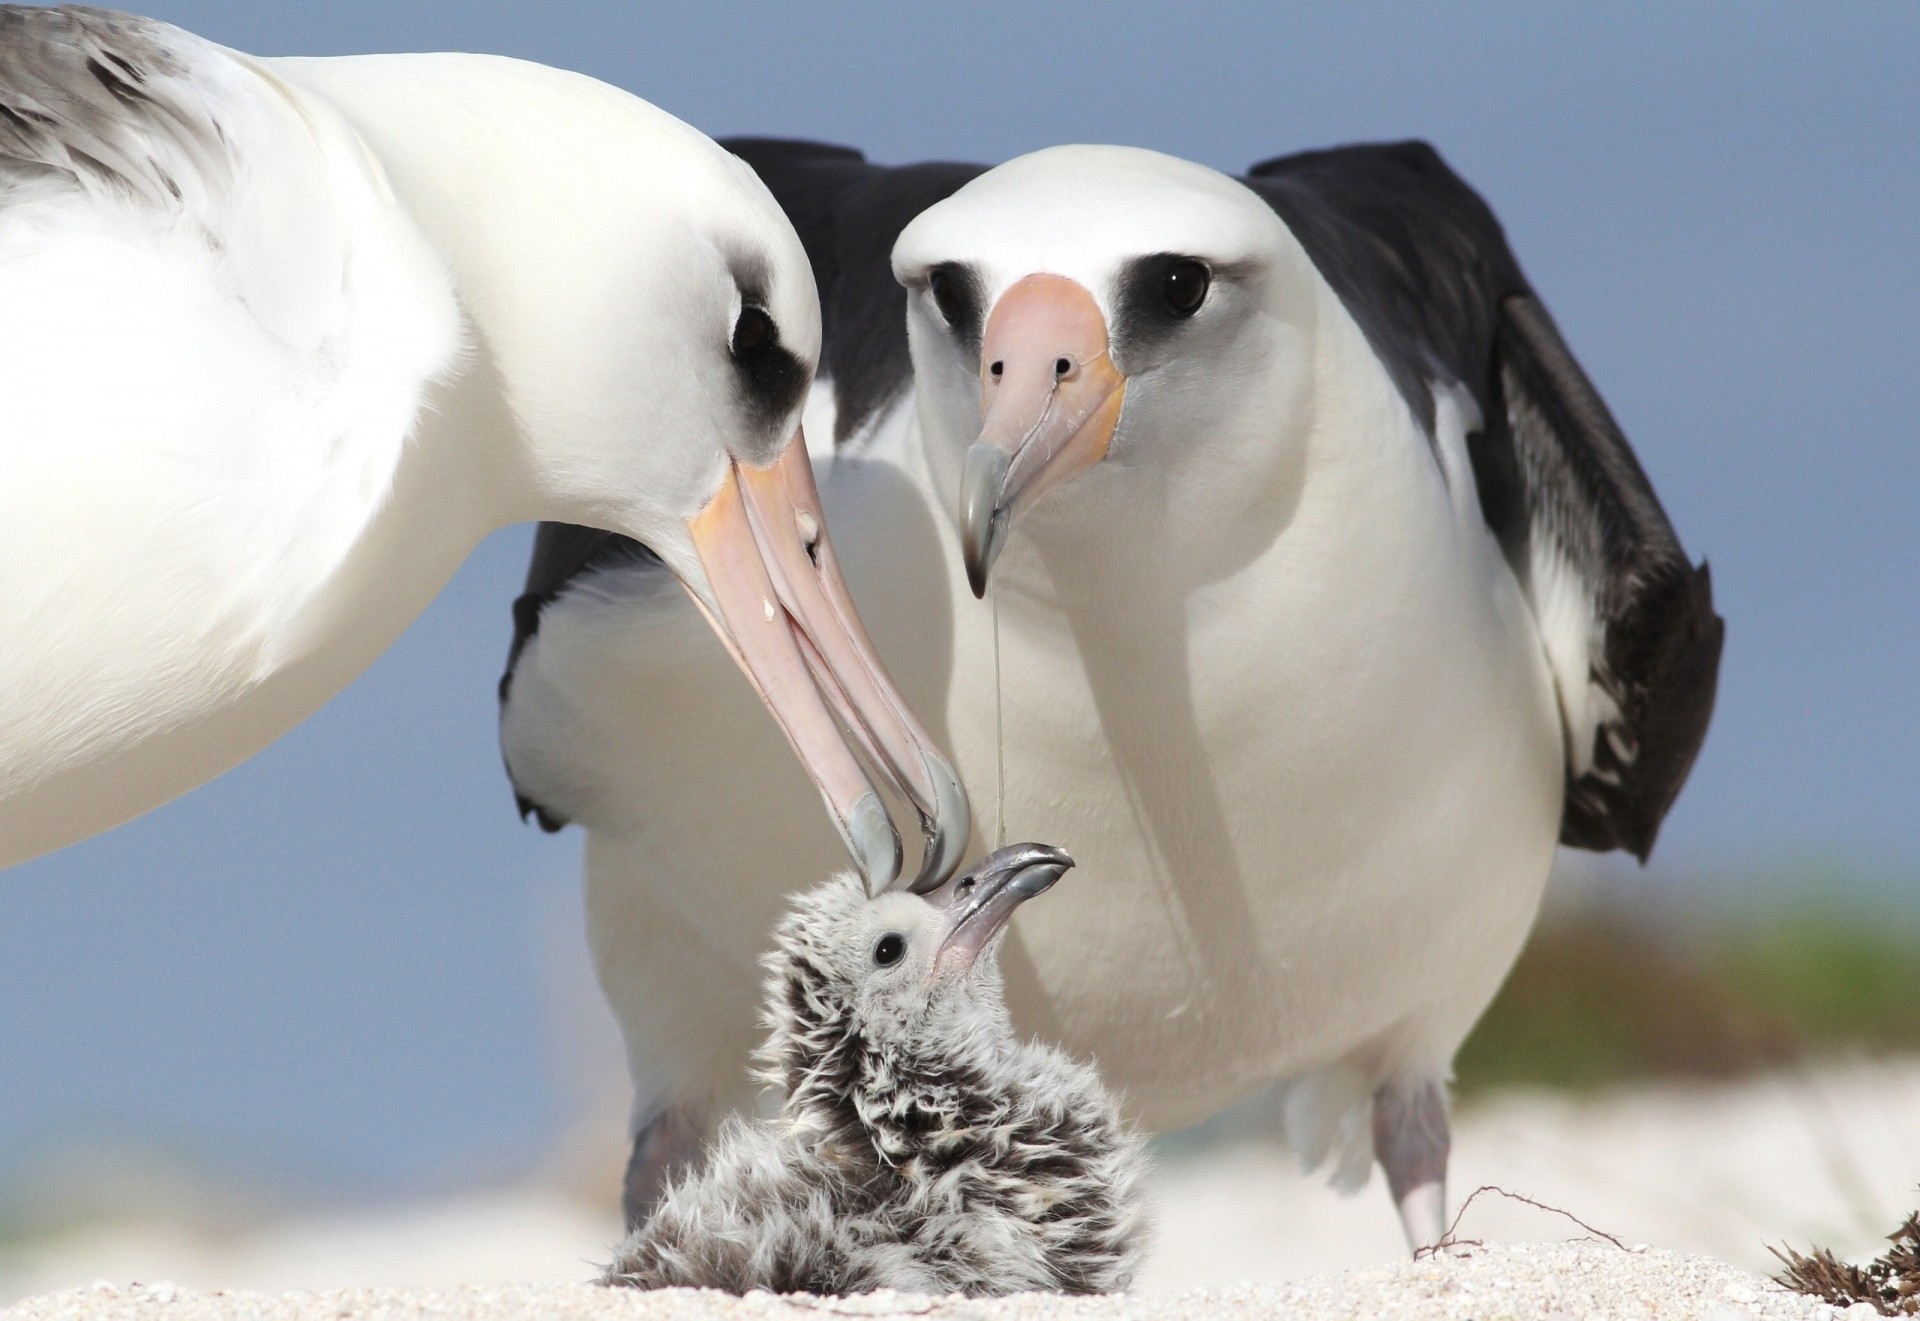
(281, 340)
(1345, 603)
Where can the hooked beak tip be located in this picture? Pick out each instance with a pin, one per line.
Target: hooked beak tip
(775, 596)
(948, 830)
(1039, 878)
(874, 843)
(980, 901)
(1031, 868)
(983, 520)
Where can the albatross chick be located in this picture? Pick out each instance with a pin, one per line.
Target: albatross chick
(920, 1146)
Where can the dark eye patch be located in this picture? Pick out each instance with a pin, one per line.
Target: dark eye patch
(1154, 298)
(752, 331)
(773, 380)
(955, 291)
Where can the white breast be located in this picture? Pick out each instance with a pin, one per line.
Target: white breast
(206, 400)
(1313, 802)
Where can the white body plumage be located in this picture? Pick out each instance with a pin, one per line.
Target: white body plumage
(1290, 710)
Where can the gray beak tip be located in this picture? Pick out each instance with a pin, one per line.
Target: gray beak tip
(1039, 878)
(977, 578)
(1033, 868)
(983, 523)
(948, 829)
(982, 899)
(874, 843)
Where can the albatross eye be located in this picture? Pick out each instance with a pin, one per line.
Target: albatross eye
(753, 331)
(951, 294)
(888, 949)
(1186, 286)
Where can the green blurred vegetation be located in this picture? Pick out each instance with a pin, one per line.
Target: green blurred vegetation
(1637, 983)
(1604, 993)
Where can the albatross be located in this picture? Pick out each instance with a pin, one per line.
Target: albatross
(920, 1145)
(1327, 599)
(282, 339)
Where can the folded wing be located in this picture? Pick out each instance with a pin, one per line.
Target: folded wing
(1626, 620)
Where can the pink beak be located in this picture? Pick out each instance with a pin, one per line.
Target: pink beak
(1050, 398)
(785, 614)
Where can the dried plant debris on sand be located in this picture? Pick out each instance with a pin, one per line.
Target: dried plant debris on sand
(1890, 1282)
(920, 1145)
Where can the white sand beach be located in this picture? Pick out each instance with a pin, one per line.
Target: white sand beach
(1703, 1177)
(1547, 1281)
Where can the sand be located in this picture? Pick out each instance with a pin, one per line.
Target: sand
(1710, 1174)
(1517, 1280)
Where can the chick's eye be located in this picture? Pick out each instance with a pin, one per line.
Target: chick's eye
(888, 949)
(754, 330)
(1186, 286)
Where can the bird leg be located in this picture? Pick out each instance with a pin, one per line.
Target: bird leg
(665, 1146)
(1411, 1141)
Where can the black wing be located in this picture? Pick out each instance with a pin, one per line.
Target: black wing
(848, 214)
(563, 555)
(1423, 266)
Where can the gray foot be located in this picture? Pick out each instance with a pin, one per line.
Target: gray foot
(1411, 1141)
(665, 1146)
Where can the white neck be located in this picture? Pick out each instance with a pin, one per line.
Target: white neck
(560, 206)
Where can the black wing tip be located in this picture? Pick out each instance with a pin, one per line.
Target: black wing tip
(1673, 641)
(1415, 152)
(547, 821)
(748, 146)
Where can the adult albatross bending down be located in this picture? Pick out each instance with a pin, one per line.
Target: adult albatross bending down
(1346, 601)
(281, 340)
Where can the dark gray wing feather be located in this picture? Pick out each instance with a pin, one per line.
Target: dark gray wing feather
(1423, 266)
(1659, 663)
(105, 98)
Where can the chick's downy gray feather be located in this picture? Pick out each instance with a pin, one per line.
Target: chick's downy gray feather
(919, 1145)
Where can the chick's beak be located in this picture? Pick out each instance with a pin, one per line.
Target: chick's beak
(979, 901)
(1050, 398)
(782, 608)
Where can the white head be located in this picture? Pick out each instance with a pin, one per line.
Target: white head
(1095, 310)
(651, 323)
(871, 1003)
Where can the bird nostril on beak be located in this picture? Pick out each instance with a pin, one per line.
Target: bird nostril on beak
(809, 529)
(996, 369)
(1062, 368)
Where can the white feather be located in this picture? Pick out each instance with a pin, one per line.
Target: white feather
(1267, 676)
(311, 330)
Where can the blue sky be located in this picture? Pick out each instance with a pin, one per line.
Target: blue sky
(334, 965)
